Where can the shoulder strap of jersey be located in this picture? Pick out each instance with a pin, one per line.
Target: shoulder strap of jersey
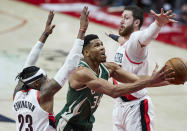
(103, 67)
(84, 64)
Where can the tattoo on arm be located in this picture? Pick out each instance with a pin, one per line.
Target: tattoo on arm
(49, 89)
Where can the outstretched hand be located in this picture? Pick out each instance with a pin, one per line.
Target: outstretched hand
(49, 28)
(83, 23)
(84, 18)
(163, 18)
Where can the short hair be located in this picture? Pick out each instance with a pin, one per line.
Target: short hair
(88, 38)
(137, 13)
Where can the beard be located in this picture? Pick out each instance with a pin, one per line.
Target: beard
(126, 31)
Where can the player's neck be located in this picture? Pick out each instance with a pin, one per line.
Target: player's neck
(93, 65)
(126, 38)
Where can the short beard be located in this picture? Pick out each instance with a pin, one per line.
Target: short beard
(128, 30)
(103, 61)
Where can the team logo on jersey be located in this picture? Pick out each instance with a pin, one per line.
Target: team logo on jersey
(118, 57)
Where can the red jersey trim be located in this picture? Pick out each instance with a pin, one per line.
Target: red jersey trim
(128, 97)
(145, 119)
(130, 59)
(52, 120)
(38, 93)
(114, 81)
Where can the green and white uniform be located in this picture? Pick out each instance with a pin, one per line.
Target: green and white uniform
(77, 114)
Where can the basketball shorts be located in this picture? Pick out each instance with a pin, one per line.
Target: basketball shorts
(136, 115)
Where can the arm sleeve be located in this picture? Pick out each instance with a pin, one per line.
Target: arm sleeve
(135, 51)
(71, 62)
(34, 54)
(114, 37)
(149, 34)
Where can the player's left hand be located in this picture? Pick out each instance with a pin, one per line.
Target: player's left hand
(163, 18)
(49, 27)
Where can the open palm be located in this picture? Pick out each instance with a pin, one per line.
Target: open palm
(163, 18)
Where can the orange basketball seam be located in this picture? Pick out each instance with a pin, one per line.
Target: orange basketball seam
(183, 64)
(177, 73)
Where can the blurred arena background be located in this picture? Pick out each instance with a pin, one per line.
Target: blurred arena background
(22, 22)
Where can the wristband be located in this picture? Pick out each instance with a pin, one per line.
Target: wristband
(82, 29)
(114, 37)
(45, 34)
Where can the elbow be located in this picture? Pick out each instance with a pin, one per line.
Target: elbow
(114, 96)
(114, 93)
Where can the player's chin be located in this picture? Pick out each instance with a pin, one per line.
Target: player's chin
(103, 59)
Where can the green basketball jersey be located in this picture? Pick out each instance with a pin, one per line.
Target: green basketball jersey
(81, 104)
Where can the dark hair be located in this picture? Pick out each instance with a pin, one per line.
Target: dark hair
(88, 38)
(137, 13)
(26, 73)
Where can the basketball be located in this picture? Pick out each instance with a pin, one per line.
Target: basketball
(180, 67)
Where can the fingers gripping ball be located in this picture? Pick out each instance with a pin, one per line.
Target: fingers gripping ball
(180, 67)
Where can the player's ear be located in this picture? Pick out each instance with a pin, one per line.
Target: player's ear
(137, 23)
(86, 51)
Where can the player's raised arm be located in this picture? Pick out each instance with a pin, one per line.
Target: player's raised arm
(84, 21)
(152, 31)
(35, 52)
(72, 59)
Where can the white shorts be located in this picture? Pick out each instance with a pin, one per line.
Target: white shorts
(136, 115)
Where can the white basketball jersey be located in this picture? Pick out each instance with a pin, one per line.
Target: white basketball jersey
(133, 58)
(29, 115)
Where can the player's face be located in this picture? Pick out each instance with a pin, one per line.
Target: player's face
(97, 51)
(126, 24)
(39, 82)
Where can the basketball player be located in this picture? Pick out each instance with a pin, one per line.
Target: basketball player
(88, 83)
(33, 96)
(134, 111)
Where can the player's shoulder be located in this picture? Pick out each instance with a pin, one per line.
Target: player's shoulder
(82, 71)
(137, 33)
(82, 75)
(134, 37)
